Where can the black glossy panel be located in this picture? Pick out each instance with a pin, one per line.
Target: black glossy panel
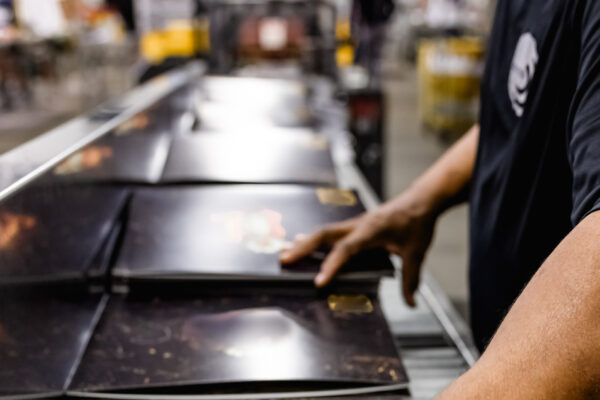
(118, 158)
(165, 343)
(49, 233)
(293, 158)
(41, 339)
(235, 230)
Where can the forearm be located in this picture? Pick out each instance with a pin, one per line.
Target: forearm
(548, 347)
(446, 182)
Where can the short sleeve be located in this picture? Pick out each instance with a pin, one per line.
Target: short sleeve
(584, 139)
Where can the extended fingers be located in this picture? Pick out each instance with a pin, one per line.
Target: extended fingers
(411, 272)
(304, 245)
(341, 253)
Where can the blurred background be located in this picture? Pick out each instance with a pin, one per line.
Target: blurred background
(408, 71)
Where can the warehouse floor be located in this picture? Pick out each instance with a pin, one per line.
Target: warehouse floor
(410, 150)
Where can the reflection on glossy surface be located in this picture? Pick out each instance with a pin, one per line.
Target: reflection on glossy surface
(237, 339)
(214, 115)
(234, 90)
(130, 158)
(281, 103)
(133, 152)
(40, 341)
(136, 123)
(11, 226)
(262, 340)
(260, 232)
(218, 116)
(231, 230)
(213, 157)
(89, 158)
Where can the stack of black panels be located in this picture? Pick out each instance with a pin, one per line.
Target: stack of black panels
(260, 149)
(209, 309)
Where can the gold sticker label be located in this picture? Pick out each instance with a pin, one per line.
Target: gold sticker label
(314, 142)
(354, 304)
(336, 197)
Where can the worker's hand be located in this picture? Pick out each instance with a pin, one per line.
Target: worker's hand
(398, 227)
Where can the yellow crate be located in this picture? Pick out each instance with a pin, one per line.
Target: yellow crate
(178, 39)
(449, 80)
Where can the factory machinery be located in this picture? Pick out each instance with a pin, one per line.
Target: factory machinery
(139, 255)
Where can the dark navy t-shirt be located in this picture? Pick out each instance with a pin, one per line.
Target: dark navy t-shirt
(538, 166)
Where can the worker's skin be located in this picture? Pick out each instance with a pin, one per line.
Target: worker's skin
(548, 346)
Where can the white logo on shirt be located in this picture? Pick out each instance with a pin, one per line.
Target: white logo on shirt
(522, 71)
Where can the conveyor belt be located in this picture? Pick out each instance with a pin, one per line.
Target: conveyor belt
(434, 340)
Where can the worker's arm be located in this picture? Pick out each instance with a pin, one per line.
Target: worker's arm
(548, 347)
(404, 225)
